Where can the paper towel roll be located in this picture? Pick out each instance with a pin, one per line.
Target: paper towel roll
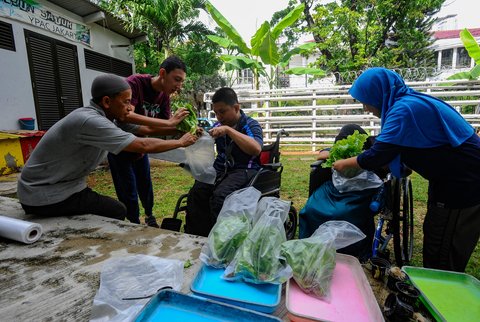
(20, 230)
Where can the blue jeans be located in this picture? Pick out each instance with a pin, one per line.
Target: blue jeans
(131, 177)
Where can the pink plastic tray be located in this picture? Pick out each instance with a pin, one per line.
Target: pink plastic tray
(351, 298)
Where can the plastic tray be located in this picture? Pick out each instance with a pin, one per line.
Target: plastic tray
(172, 306)
(259, 297)
(449, 296)
(351, 297)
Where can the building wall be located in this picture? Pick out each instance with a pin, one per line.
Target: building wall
(16, 95)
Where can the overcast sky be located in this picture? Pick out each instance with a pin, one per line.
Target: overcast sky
(247, 15)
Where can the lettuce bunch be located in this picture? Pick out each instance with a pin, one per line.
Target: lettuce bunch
(349, 147)
(188, 124)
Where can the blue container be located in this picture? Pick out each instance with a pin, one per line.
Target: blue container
(259, 297)
(171, 306)
(27, 123)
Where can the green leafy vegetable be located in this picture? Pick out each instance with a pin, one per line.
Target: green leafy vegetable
(188, 124)
(226, 237)
(312, 263)
(257, 258)
(349, 147)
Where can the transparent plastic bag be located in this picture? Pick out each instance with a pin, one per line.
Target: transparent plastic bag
(258, 259)
(233, 224)
(133, 277)
(313, 259)
(199, 159)
(362, 181)
(275, 203)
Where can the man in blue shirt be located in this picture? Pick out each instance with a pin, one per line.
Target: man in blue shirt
(239, 141)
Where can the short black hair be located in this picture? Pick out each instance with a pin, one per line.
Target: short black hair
(172, 63)
(98, 100)
(225, 95)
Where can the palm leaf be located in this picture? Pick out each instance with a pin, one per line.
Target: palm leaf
(287, 21)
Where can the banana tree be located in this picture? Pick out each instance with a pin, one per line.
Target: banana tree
(263, 56)
(473, 50)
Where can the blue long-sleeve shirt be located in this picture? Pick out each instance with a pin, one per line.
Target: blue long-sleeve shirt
(453, 173)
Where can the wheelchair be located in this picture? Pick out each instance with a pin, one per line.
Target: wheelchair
(267, 180)
(395, 213)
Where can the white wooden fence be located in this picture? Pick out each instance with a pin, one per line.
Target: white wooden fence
(313, 116)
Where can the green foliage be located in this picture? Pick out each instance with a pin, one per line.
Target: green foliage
(353, 35)
(349, 147)
(264, 50)
(473, 50)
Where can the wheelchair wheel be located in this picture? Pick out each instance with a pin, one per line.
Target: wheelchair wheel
(291, 223)
(402, 222)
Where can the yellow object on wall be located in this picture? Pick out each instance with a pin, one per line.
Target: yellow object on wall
(11, 157)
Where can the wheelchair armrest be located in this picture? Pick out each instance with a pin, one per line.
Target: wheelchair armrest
(317, 164)
(272, 166)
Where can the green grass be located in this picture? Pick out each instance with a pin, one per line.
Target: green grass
(170, 181)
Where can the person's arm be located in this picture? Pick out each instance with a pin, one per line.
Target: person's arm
(152, 130)
(155, 145)
(138, 119)
(246, 143)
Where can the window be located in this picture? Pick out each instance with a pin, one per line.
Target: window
(447, 57)
(245, 76)
(7, 40)
(107, 64)
(463, 60)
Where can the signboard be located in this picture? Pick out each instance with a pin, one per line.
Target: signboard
(38, 15)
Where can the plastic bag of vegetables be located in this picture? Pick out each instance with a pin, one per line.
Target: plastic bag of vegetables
(258, 260)
(313, 259)
(232, 227)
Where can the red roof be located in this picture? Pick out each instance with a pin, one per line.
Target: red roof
(447, 34)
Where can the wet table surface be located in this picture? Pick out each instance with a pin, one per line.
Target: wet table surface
(56, 278)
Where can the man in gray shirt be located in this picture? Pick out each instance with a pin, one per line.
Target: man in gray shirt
(53, 181)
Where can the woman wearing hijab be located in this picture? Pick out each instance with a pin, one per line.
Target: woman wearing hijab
(431, 138)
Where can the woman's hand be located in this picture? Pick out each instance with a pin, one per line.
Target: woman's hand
(342, 165)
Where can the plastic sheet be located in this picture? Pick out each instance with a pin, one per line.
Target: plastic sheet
(20, 230)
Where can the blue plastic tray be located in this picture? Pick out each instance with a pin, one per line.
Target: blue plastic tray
(259, 297)
(172, 306)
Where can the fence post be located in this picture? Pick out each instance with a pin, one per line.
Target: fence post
(314, 120)
(267, 116)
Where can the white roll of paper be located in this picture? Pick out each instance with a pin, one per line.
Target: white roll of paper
(20, 230)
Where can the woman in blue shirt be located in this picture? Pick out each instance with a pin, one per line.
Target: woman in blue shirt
(430, 137)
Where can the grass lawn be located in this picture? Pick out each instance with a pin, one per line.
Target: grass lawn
(170, 182)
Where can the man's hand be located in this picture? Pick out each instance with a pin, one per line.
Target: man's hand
(187, 139)
(219, 131)
(179, 115)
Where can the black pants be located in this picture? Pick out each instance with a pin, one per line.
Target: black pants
(450, 237)
(81, 203)
(206, 200)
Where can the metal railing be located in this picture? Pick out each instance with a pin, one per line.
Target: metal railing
(313, 116)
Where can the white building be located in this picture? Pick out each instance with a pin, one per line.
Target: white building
(452, 57)
(50, 52)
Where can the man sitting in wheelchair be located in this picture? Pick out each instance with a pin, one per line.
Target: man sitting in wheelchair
(239, 141)
(327, 203)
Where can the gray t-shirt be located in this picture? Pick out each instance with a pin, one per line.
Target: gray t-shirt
(67, 153)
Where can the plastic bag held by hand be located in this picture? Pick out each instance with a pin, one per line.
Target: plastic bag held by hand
(232, 227)
(362, 181)
(313, 259)
(199, 159)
